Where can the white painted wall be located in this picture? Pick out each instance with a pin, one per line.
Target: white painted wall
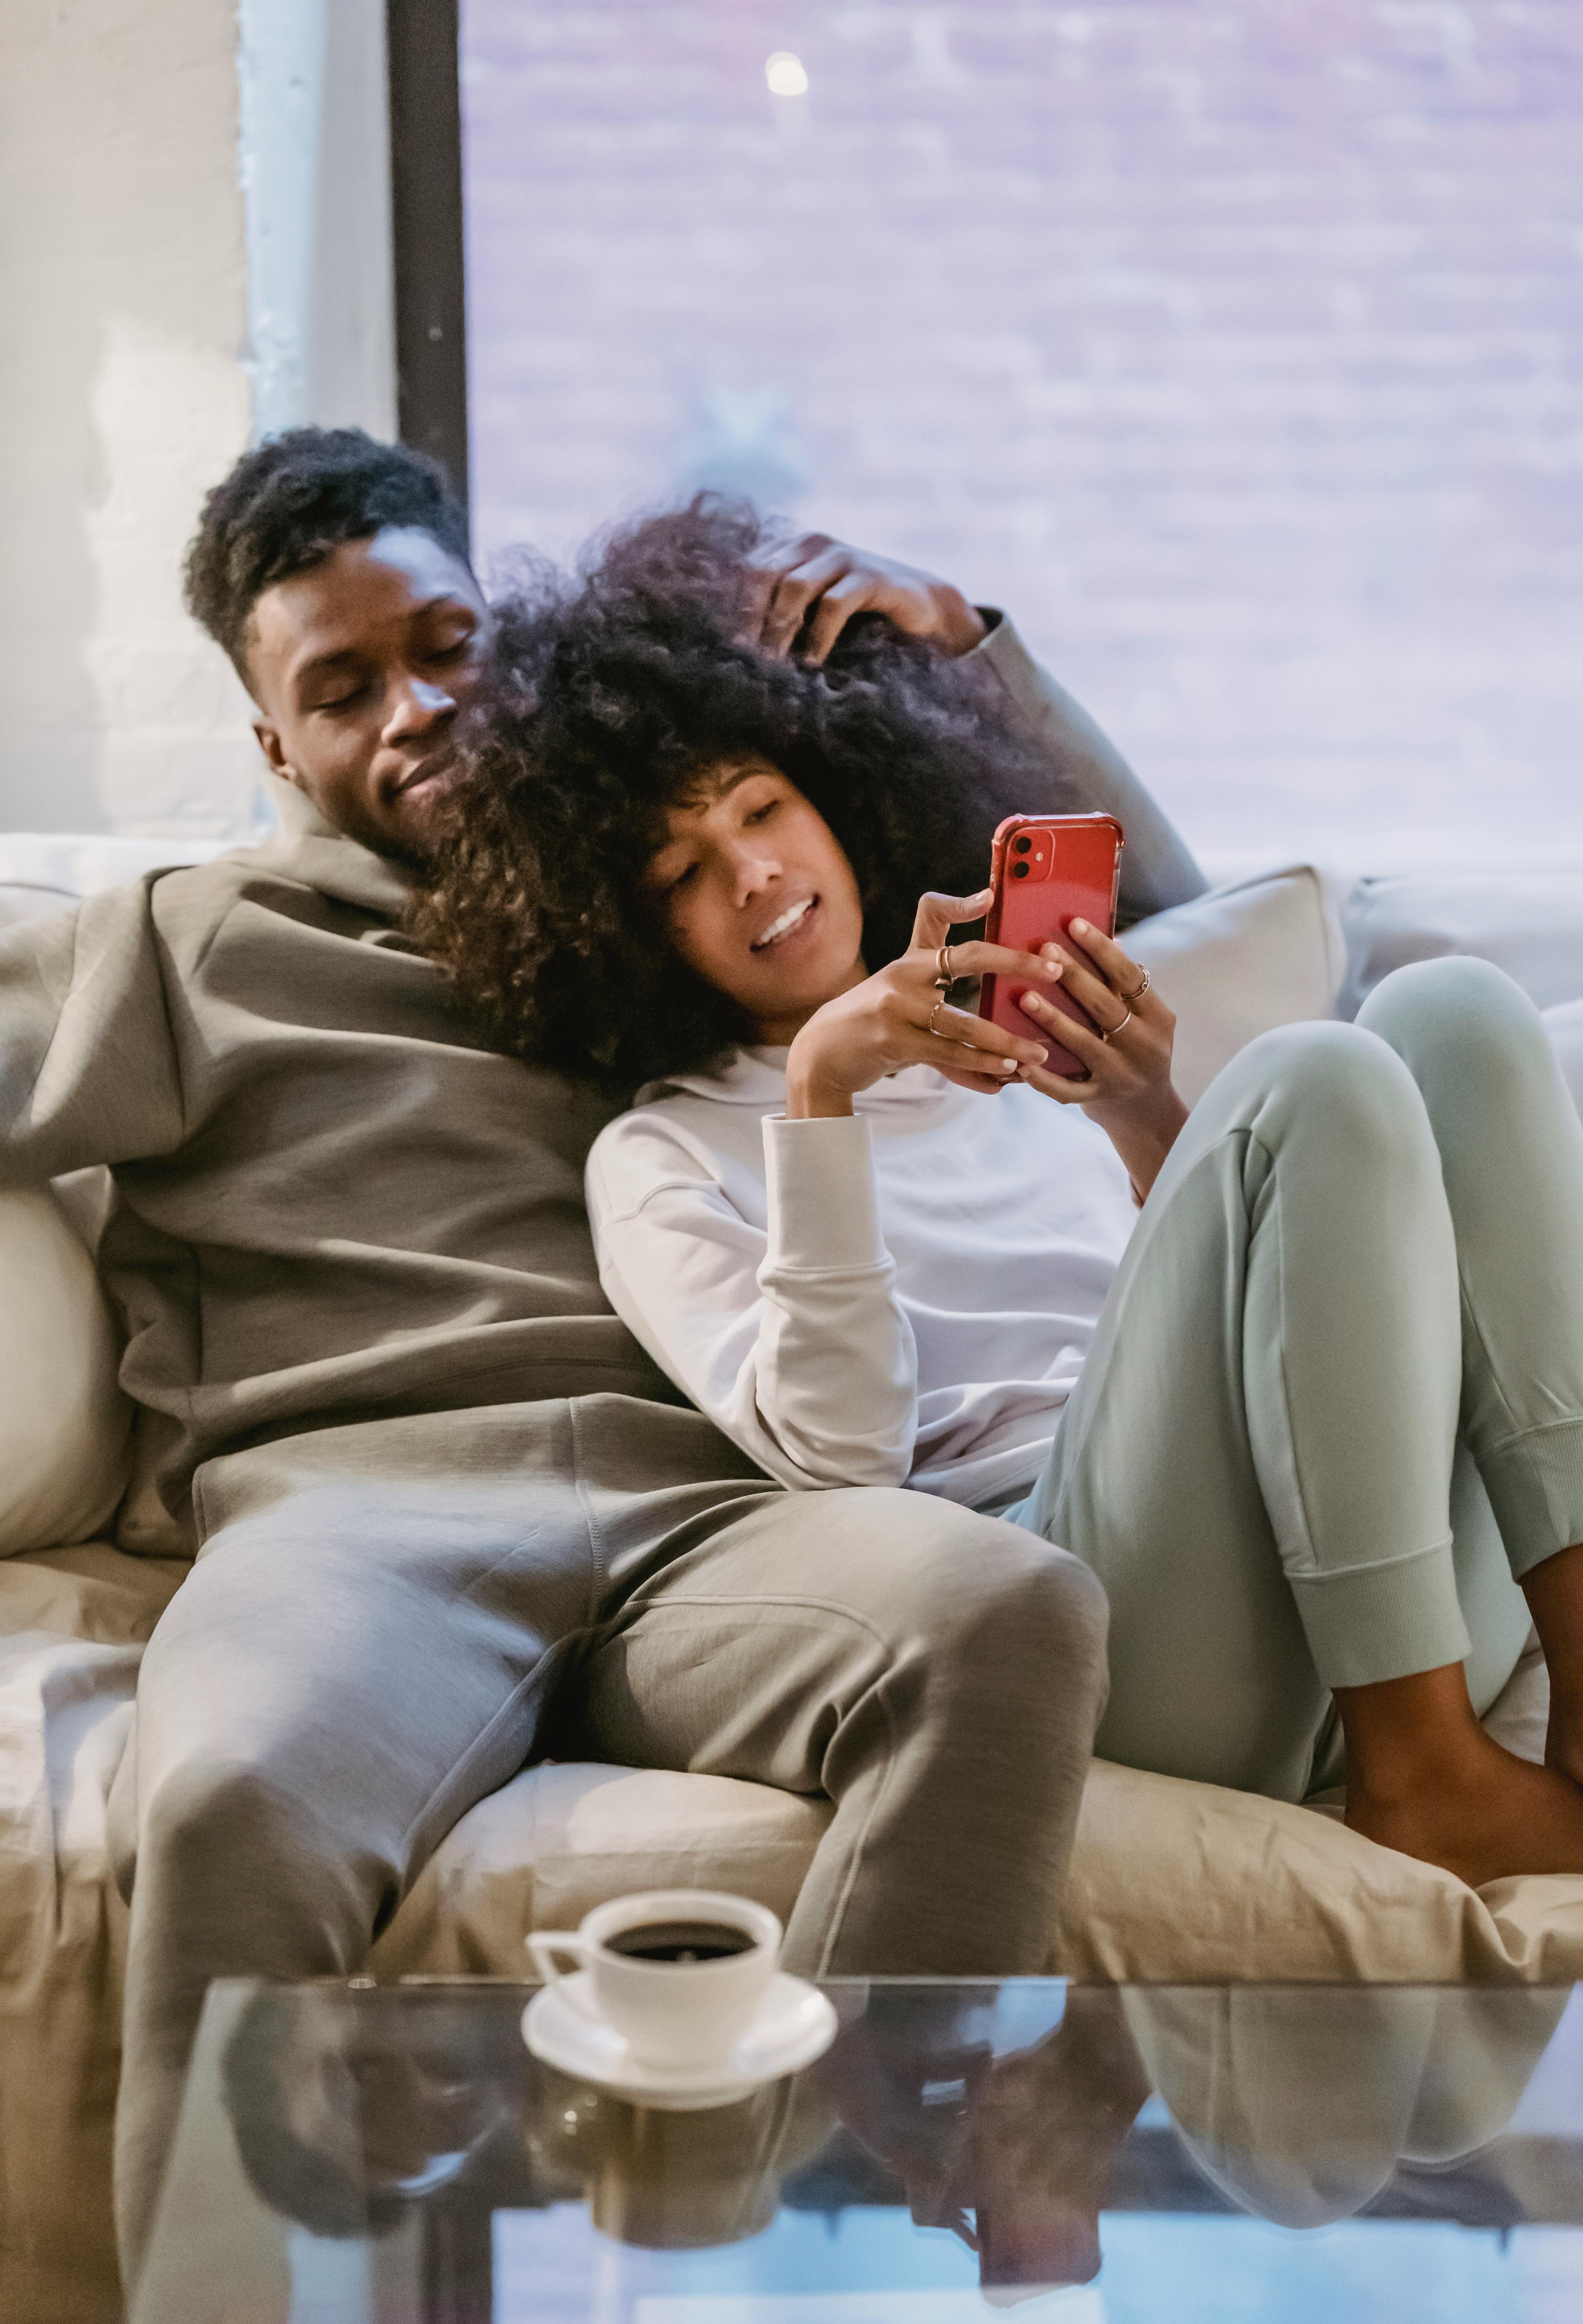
(134, 364)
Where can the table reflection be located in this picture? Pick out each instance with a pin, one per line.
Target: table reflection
(1014, 2116)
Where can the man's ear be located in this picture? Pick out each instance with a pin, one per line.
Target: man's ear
(274, 751)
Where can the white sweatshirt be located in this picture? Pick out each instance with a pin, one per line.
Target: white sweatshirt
(905, 1297)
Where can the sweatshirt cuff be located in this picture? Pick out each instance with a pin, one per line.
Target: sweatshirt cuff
(823, 1212)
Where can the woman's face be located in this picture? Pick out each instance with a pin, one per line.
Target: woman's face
(757, 896)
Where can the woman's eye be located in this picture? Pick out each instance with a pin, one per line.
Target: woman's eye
(343, 701)
(762, 814)
(680, 880)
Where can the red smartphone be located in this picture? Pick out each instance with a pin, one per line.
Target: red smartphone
(1046, 872)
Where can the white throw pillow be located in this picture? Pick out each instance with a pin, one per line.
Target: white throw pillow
(64, 1422)
(1240, 961)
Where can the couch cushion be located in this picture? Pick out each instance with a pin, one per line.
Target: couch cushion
(65, 1425)
(1171, 1882)
(1247, 957)
(73, 1623)
(19, 903)
(1528, 923)
(82, 863)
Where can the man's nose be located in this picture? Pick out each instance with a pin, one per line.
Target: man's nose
(415, 707)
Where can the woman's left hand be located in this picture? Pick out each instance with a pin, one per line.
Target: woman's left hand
(1128, 1089)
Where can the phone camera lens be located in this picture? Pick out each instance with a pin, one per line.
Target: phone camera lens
(1019, 870)
(1020, 846)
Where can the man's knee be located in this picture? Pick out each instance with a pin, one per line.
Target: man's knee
(233, 1835)
(998, 1605)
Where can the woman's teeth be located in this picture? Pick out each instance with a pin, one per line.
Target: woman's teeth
(785, 925)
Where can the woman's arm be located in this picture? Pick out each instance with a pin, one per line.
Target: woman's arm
(1127, 1088)
(792, 1342)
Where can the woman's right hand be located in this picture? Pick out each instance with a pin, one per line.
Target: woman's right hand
(900, 1017)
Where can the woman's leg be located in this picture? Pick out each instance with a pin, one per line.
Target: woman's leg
(1259, 1459)
(1511, 1150)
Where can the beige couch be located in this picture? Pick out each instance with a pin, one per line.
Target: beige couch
(1173, 1882)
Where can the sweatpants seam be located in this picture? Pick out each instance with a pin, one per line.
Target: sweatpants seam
(1519, 1437)
(598, 1564)
(1310, 1550)
(839, 1909)
(498, 1718)
(638, 1608)
(1473, 1325)
(1376, 1564)
(858, 1622)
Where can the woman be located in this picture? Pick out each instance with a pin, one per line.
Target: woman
(1314, 1414)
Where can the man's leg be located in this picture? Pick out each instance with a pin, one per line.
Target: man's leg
(937, 1674)
(362, 1650)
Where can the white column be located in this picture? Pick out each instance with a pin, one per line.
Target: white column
(316, 174)
(151, 323)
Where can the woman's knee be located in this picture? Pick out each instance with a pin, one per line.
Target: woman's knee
(1340, 1087)
(1460, 1022)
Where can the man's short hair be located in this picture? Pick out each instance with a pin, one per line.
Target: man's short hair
(290, 501)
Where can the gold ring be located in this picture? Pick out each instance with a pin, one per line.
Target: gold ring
(945, 976)
(1133, 998)
(1126, 1022)
(934, 1012)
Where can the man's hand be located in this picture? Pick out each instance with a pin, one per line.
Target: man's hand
(803, 595)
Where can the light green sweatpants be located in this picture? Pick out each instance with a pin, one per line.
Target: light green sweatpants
(1334, 1408)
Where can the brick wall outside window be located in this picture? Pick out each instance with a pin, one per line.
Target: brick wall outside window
(1236, 345)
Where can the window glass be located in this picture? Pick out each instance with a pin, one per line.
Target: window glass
(1235, 348)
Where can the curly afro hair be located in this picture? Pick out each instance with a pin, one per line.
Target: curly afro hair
(293, 499)
(609, 696)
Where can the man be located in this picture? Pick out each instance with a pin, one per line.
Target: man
(438, 1497)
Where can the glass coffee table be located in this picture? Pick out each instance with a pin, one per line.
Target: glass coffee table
(353, 2154)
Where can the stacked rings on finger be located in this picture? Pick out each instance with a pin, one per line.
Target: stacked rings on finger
(944, 976)
(1132, 999)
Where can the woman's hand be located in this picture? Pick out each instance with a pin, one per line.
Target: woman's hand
(901, 1017)
(1128, 1090)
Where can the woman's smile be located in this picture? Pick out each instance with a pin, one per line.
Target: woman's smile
(796, 920)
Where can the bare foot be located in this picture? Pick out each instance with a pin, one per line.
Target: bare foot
(1476, 1810)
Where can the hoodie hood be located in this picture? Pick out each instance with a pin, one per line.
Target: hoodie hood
(305, 846)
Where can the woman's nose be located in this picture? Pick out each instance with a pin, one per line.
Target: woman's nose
(754, 873)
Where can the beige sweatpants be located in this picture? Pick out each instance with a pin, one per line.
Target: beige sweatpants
(388, 1621)
(1334, 1409)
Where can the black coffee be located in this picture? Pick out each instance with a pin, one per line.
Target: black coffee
(680, 1940)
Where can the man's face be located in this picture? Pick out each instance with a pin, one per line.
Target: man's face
(359, 667)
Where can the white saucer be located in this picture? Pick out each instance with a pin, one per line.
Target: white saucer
(794, 2025)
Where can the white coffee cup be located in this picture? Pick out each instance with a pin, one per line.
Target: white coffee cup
(673, 2012)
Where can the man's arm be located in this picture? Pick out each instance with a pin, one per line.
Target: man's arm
(88, 1061)
(1157, 869)
(806, 592)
